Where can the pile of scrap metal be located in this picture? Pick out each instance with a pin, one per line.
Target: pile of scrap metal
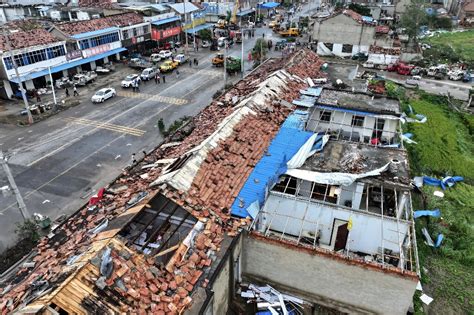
(270, 301)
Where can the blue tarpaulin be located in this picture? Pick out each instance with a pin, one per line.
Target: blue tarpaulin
(444, 183)
(269, 5)
(286, 143)
(436, 213)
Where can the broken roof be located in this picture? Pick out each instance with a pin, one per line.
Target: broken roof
(118, 20)
(104, 4)
(22, 39)
(96, 234)
(359, 101)
(357, 158)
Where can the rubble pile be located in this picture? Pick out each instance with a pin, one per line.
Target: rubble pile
(22, 39)
(146, 285)
(124, 19)
(382, 29)
(385, 51)
(377, 87)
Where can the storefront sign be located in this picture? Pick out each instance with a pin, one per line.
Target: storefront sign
(194, 23)
(75, 54)
(96, 50)
(157, 34)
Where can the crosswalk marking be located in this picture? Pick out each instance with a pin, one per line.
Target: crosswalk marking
(106, 126)
(212, 73)
(155, 97)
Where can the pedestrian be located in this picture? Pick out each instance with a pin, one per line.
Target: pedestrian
(75, 91)
(134, 160)
(38, 97)
(157, 80)
(177, 74)
(138, 85)
(195, 61)
(190, 63)
(164, 78)
(67, 92)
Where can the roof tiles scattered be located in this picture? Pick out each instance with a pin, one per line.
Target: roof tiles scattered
(125, 19)
(23, 39)
(142, 285)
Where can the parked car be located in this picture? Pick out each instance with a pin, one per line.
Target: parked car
(103, 94)
(102, 70)
(361, 56)
(180, 59)
(165, 54)
(155, 57)
(168, 66)
(205, 44)
(84, 78)
(148, 74)
(222, 41)
(128, 81)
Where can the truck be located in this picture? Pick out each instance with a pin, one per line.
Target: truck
(218, 60)
(84, 78)
(290, 32)
(139, 63)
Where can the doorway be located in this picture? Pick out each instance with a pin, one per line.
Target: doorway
(340, 232)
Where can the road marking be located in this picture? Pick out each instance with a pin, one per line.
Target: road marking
(212, 73)
(27, 195)
(107, 126)
(156, 97)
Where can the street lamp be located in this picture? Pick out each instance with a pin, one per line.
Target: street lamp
(17, 74)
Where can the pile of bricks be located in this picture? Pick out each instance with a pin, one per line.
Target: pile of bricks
(22, 39)
(226, 168)
(125, 19)
(382, 29)
(386, 51)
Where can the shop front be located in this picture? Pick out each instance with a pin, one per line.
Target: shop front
(166, 31)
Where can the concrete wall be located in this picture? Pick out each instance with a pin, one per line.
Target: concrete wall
(286, 213)
(338, 118)
(382, 59)
(342, 29)
(325, 280)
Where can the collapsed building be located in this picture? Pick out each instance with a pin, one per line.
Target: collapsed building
(251, 191)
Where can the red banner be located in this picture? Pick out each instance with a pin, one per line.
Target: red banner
(157, 34)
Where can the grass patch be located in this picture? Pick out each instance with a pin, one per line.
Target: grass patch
(445, 147)
(461, 44)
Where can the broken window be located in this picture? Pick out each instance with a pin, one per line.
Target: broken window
(329, 46)
(159, 228)
(325, 116)
(286, 185)
(347, 48)
(358, 121)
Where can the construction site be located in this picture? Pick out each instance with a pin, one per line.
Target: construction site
(280, 197)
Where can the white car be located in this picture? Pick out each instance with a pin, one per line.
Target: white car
(128, 81)
(103, 94)
(164, 54)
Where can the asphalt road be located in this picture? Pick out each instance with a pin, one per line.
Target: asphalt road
(60, 162)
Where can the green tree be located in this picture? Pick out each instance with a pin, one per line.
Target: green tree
(28, 230)
(362, 10)
(205, 34)
(415, 16)
(259, 51)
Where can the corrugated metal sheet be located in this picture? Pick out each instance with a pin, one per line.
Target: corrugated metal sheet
(297, 120)
(287, 142)
(312, 91)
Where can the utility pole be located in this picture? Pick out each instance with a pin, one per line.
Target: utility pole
(52, 88)
(185, 34)
(242, 36)
(21, 204)
(225, 64)
(17, 74)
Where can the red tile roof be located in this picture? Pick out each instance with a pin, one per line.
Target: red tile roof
(150, 288)
(23, 39)
(125, 19)
(354, 15)
(383, 29)
(106, 4)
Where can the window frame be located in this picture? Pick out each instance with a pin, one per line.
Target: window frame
(356, 120)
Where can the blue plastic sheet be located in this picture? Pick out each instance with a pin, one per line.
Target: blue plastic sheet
(439, 240)
(444, 183)
(432, 213)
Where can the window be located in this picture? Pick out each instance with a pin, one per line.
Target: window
(325, 116)
(8, 62)
(346, 48)
(358, 121)
(32, 57)
(146, 29)
(125, 34)
(135, 33)
(286, 185)
(329, 45)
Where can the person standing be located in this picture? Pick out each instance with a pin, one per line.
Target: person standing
(157, 80)
(164, 79)
(190, 63)
(177, 74)
(67, 92)
(75, 91)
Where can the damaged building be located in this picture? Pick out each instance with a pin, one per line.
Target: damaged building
(251, 207)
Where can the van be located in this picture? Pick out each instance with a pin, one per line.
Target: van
(148, 74)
